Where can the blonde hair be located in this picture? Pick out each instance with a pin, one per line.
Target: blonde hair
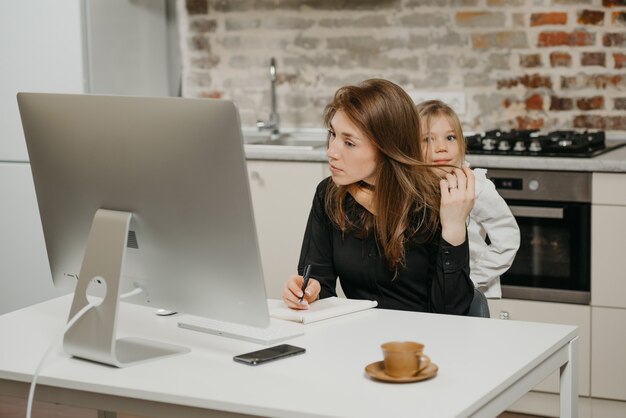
(430, 110)
(406, 195)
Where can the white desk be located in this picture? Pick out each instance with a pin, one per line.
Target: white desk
(484, 366)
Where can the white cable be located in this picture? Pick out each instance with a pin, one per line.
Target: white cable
(31, 392)
(70, 323)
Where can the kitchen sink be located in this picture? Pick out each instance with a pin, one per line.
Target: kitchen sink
(287, 140)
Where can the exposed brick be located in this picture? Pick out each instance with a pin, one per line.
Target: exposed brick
(612, 3)
(561, 103)
(519, 20)
(418, 20)
(505, 3)
(306, 42)
(598, 81)
(214, 94)
(570, 2)
(614, 39)
(199, 43)
(235, 24)
(533, 81)
(371, 21)
(197, 7)
(203, 26)
(526, 122)
(554, 18)
(204, 62)
(560, 59)
(619, 103)
(534, 102)
(248, 5)
(497, 61)
(481, 79)
(447, 39)
(590, 17)
(576, 38)
(590, 103)
(593, 58)
(620, 60)
(530, 60)
(619, 18)
(480, 19)
(354, 43)
(609, 123)
(286, 23)
(441, 3)
(499, 40)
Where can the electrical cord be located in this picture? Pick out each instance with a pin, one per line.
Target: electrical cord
(70, 323)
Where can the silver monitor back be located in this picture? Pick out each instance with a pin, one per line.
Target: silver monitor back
(179, 166)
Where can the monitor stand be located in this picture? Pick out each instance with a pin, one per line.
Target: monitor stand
(92, 337)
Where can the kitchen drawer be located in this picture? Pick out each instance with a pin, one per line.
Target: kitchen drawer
(608, 189)
(608, 354)
(557, 313)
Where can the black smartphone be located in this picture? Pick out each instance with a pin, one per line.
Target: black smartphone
(269, 354)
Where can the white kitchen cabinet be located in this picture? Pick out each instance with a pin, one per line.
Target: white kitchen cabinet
(282, 192)
(608, 353)
(557, 313)
(608, 240)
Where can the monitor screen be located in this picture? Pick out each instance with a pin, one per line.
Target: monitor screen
(178, 166)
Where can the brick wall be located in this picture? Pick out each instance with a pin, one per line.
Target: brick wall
(549, 64)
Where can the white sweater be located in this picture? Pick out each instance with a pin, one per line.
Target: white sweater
(490, 216)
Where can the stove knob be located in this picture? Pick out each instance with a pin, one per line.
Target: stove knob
(504, 146)
(519, 146)
(504, 315)
(489, 144)
(533, 185)
(535, 146)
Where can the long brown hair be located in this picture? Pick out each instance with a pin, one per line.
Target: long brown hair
(406, 195)
(430, 110)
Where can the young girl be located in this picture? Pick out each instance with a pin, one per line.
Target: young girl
(406, 245)
(443, 144)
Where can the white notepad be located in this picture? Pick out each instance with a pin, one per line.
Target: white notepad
(318, 310)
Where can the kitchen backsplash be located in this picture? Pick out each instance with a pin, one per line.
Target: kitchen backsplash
(548, 64)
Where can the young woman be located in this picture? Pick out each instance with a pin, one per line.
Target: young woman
(443, 144)
(405, 246)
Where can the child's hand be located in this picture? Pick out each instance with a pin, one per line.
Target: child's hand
(457, 201)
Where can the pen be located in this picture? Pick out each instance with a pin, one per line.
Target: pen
(307, 273)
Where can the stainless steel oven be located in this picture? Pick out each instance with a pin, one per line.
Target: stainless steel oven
(553, 211)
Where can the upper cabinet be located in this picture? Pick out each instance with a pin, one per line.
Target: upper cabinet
(83, 46)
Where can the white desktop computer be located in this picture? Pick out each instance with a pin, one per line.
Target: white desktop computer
(148, 196)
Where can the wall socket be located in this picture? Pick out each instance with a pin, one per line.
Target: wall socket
(454, 99)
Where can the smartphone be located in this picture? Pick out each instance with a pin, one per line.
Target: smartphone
(269, 354)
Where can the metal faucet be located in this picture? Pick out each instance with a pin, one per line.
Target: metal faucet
(272, 124)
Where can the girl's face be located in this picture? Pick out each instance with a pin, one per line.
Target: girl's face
(440, 145)
(352, 156)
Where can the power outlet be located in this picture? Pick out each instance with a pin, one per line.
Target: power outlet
(454, 99)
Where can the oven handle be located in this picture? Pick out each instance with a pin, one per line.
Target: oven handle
(536, 212)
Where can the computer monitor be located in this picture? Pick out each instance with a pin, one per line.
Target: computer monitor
(172, 168)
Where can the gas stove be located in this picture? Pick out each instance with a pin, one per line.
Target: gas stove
(570, 144)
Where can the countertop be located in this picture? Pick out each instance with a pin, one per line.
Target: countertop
(611, 162)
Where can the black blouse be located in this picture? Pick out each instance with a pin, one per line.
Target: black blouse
(436, 277)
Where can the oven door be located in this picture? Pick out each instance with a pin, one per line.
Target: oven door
(553, 261)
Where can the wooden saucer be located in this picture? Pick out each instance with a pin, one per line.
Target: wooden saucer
(376, 370)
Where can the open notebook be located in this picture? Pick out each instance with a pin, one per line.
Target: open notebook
(318, 310)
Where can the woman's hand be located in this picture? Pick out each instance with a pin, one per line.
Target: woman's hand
(457, 201)
(292, 292)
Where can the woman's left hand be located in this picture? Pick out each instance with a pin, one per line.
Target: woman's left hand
(457, 201)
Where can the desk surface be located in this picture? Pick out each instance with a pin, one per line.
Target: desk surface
(478, 359)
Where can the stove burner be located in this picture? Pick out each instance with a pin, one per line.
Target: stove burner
(535, 143)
